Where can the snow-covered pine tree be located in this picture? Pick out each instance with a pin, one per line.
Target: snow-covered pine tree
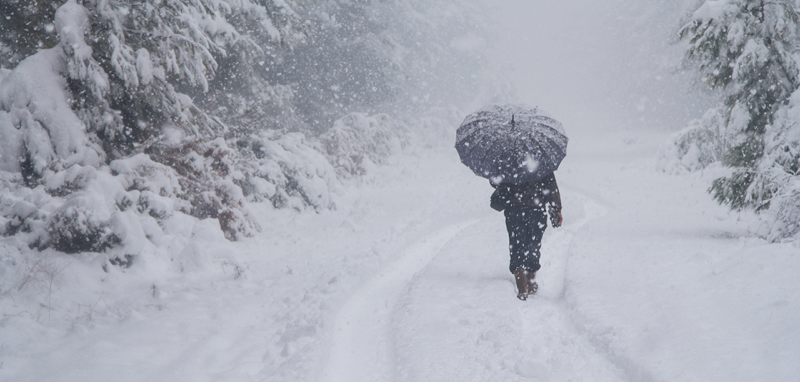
(25, 27)
(388, 56)
(745, 48)
(778, 173)
(357, 57)
(150, 49)
(345, 66)
(121, 74)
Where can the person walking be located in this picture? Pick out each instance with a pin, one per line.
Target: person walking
(526, 207)
(518, 148)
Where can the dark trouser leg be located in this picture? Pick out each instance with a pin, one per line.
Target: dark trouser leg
(526, 227)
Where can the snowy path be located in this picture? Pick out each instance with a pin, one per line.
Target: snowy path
(390, 328)
(460, 319)
(362, 346)
(634, 287)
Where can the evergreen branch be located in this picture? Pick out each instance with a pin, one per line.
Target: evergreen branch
(785, 5)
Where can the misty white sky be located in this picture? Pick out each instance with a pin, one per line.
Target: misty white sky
(598, 64)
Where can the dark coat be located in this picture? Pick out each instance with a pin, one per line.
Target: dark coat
(537, 194)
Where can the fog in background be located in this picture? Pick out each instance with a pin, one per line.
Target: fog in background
(598, 65)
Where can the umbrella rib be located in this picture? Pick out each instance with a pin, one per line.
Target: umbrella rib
(545, 148)
(486, 153)
(477, 144)
(549, 138)
(555, 144)
(483, 160)
(516, 141)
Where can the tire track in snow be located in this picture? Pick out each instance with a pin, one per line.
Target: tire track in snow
(559, 348)
(597, 208)
(362, 348)
(555, 347)
(560, 241)
(460, 320)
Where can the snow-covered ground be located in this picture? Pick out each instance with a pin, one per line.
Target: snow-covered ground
(407, 280)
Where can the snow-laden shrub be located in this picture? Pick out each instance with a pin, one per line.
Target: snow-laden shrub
(205, 172)
(776, 184)
(783, 217)
(288, 170)
(20, 209)
(79, 222)
(116, 208)
(357, 142)
(293, 171)
(698, 145)
(87, 219)
(84, 209)
(80, 225)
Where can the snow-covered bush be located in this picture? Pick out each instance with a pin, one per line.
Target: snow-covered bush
(698, 145)
(118, 208)
(205, 173)
(115, 208)
(21, 210)
(77, 222)
(357, 142)
(782, 219)
(776, 184)
(76, 227)
(289, 171)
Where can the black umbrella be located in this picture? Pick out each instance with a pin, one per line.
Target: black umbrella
(511, 143)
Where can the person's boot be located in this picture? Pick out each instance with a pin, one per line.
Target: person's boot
(533, 287)
(522, 283)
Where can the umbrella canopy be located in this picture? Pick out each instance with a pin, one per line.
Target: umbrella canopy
(511, 143)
